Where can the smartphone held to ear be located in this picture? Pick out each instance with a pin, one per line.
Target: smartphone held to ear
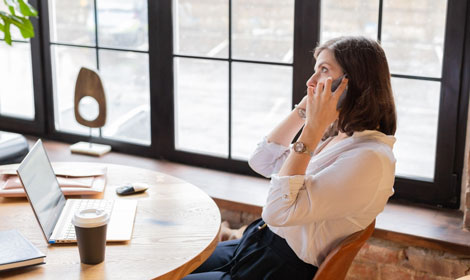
(334, 85)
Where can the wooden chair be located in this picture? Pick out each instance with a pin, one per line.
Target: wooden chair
(337, 263)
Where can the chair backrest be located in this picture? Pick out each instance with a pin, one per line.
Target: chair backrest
(337, 263)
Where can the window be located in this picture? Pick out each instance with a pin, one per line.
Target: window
(422, 50)
(419, 40)
(232, 73)
(412, 36)
(111, 38)
(16, 77)
(201, 82)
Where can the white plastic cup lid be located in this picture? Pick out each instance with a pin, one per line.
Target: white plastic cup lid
(89, 218)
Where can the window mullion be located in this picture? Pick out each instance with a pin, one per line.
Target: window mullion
(306, 36)
(230, 79)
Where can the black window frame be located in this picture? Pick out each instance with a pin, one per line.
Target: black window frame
(37, 125)
(52, 132)
(444, 191)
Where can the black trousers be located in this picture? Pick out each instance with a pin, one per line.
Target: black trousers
(259, 254)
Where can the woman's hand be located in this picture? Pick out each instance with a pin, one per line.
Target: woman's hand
(303, 103)
(321, 112)
(321, 105)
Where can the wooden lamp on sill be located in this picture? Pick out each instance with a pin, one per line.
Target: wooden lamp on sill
(89, 85)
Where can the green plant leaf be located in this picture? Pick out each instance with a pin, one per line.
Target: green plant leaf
(24, 25)
(5, 17)
(12, 6)
(6, 30)
(26, 29)
(16, 20)
(12, 10)
(20, 20)
(27, 10)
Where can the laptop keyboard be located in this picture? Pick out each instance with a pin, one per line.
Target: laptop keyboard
(101, 204)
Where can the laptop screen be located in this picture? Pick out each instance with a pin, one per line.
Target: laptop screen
(42, 188)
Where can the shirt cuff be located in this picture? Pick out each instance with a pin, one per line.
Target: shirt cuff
(289, 186)
(274, 149)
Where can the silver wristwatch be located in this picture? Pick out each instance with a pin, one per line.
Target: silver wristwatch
(301, 148)
(302, 113)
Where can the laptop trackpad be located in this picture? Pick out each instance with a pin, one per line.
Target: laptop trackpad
(121, 222)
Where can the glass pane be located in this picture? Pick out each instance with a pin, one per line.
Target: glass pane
(263, 30)
(201, 106)
(72, 22)
(417, 109)
(349, 17)
(201, 27)
(16, 81)
(66, 63)
(125, 77)
(123, 24)
(413, 36)
(262, 97)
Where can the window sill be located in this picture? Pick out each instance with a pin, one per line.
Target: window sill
(439, 229)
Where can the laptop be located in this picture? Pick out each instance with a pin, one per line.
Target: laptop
(54, 213)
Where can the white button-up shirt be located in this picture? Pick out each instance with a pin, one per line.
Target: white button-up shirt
(345, 187)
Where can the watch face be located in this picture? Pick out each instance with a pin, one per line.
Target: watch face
(299, 147)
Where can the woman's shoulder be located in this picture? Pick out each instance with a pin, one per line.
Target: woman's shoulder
(373, 140)
(373, 145)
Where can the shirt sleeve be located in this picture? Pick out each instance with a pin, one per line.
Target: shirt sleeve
(342, 189)
(268, 158)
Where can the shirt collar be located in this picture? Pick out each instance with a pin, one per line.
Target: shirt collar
(382, 137)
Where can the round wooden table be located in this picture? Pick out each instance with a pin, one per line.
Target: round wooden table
(175, 230)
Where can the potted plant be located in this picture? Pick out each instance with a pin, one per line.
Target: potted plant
(18, 14)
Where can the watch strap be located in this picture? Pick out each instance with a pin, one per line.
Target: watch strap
(302, 113)
(304, 151)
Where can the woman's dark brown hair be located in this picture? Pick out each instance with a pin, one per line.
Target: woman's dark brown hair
(369, 102)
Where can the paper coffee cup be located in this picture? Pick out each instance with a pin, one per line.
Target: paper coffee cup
(90, 230)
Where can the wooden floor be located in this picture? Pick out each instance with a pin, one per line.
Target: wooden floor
(431, 228)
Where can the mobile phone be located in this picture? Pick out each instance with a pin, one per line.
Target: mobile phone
(334, 85)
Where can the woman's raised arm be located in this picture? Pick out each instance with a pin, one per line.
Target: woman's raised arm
(286, 130)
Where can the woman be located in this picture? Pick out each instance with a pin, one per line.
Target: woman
(321, 191)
